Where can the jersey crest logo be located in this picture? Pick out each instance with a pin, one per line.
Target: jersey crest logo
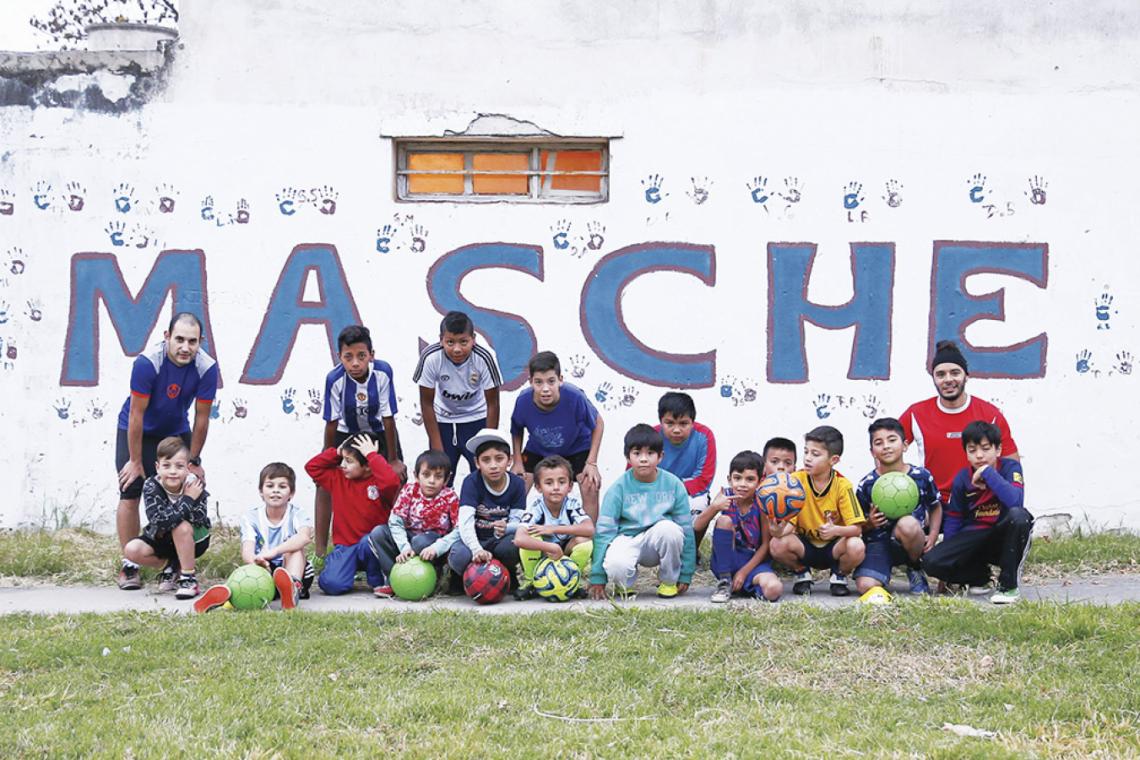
(173, 390)
(361, 396)
(373, 493)
(474, 378)
(445, 378)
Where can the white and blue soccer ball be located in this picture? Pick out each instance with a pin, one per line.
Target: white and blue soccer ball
(557, 579)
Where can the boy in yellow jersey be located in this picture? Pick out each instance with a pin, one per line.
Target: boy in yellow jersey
(827, 532)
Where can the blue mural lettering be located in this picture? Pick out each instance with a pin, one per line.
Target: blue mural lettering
(869, 310)
(603, 323)
(510, 335)
(953, 309)
(96, 277)
(288, 310)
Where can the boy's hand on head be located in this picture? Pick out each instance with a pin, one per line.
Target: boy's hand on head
(365, 445)
(193, 490)
(405, 555)
(500, 528)
(876, 518)
(598, 591)
(428, 554)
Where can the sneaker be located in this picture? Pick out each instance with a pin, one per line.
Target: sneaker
(286, 588)
(876, 595)
(454, 583)
(524, 593)
(214, 597)
(1006, 596)
(187, 587)
(803, 583)
(129, 579)
(167, 580)
(723, 592)
(384, 592)
(839, 585)
(666, 590)
(917, 580)
(980, 589)
(625, 593)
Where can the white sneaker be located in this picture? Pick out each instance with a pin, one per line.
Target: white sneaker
(803, 582)
(723, 592)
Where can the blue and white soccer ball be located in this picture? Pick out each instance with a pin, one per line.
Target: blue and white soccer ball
(557, 579)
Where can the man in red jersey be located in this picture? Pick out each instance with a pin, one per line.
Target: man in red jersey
(936, 424)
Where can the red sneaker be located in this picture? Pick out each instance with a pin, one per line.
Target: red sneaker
(384, 592)
(285, 588)
(214, 597)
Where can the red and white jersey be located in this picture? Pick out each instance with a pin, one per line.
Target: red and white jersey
(937, 431)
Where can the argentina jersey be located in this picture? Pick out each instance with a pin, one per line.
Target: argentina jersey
(359, 407)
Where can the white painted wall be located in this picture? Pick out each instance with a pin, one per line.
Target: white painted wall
(265, 96)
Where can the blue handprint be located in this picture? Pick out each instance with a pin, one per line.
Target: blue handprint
(726, 384)
(286, 200)
(758, 188)
(1084, 361)
(652, 185)
(287, 400)
(561, 230)
(1103, 310)
(852, 195)
(208, 208)
(822, 406)
(115, 231)
(62, 408)
(216, 409)
(384, 237)
(603, 392)
(42, 195)
(977, 185)
(124, 197)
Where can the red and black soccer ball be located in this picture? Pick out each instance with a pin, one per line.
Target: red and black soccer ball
(486, 582)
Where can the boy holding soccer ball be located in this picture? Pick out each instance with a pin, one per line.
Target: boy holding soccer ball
(827, 531)
(903, 540)
(554, 524)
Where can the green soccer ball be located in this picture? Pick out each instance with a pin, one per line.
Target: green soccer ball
(414, 580)
(556, 580)
(895, 494)
(251, 587)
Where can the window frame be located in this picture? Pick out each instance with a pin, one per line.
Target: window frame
(469, 146)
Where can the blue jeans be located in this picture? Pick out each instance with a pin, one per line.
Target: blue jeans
(342, 563)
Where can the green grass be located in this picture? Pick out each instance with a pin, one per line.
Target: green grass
(779, 681)
(80, 556)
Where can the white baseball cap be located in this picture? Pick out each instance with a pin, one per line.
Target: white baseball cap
(487, 435)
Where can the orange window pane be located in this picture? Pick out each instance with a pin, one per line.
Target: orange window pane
(501, 184)
(451, 184)
(574, 161)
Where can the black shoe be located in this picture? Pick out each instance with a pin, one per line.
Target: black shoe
(454, 584)
(839, 585)
(523, 593)
(803, 583)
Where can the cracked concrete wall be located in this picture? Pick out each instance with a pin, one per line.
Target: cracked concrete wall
(706, 98)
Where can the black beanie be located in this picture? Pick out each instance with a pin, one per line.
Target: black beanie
(947, 352)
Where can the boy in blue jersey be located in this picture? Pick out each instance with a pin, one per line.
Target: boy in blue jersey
(986, 520)
(554, 525)
(165, 382)
(273, 536)
(690, 451)
(902, 541)
(491, 502)
(359, 398)
(459, 389)
(644, 520)
(558, 419)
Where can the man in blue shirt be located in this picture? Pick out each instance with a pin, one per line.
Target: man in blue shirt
(165, 381)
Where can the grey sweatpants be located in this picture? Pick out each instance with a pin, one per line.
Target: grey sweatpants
(658, 546)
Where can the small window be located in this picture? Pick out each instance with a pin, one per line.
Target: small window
(519, 171)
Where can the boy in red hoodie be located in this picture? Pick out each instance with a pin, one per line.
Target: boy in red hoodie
(363, 487)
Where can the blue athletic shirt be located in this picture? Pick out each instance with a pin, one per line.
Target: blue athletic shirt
(566, 429)
(171, 390)
(927, 499)
(480, 507)
(359, 407)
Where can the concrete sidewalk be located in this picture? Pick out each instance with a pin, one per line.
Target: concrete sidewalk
(1105, 589)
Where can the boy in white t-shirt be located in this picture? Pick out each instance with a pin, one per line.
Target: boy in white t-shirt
(459, 389)
(273, 535)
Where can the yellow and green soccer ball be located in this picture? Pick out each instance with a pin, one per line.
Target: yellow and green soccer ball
(557, 579)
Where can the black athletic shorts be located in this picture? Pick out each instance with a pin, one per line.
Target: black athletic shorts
(577, 461)
(149, 458)
(164, 546)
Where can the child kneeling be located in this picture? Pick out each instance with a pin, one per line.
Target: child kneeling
(644, 520)
(424, 522)
(554, 525)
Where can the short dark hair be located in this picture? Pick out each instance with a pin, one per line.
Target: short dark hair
(277, 470)
(496, 445)
(456, 323)
(348, 450)
(886, 423)
(828, 437)
(433, 460)
(676, 404)
(170, 447)
(978, 431)
(642, 436)
(780, 444)
(353, 334)
(544, 361)
(185, 316)
(746, 460)
(553, 463)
